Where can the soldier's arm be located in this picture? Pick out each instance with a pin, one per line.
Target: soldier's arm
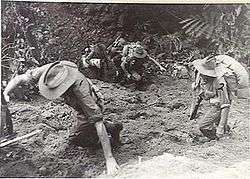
(111, 164)
(157, 63)
(13, 83)
(124, 61)
(90, 55)
(23, 78)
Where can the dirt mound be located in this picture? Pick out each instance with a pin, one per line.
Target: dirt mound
(170, 166)
(155, 122)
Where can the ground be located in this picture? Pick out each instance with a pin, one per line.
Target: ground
(158, 139)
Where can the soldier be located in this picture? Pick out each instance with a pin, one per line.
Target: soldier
(217, 79)
(97, 57)
(133, 58)
(63, 79)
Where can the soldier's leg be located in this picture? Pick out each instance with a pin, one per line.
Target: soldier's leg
(207, 124)
(83, 133)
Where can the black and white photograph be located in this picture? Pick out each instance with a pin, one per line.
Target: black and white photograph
(109, 89)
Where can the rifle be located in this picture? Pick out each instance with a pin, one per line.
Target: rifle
(113, 43)
(194, 107)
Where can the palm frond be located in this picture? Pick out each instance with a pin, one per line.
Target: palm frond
(193, 27)
(186, 20)
(190, 23)
(202, 30)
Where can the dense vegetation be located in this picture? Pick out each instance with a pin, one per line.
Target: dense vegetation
(37, 33)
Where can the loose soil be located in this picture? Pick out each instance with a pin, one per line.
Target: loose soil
(155, 124)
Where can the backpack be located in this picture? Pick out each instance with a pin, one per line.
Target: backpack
(235, 74)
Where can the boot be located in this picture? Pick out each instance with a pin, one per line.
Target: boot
(211, 134)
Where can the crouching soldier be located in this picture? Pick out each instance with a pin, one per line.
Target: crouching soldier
(96, 56)
(115, 51)
(63, 79)
(217, 79)
(133, 57)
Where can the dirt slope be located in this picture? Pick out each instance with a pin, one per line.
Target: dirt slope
(155, 123)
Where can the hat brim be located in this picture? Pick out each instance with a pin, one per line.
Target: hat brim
(198, 64)
(53, 93)
(143, 55)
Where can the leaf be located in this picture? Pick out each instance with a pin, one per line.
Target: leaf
(186, 20)
(193, 27)
(202, 24)
(201, 32)
(189, 23)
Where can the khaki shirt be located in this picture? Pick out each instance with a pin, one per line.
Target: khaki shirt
(79, 96)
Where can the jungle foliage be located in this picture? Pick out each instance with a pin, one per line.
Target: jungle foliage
(34, 34)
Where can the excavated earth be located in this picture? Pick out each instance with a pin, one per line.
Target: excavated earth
(158, 140)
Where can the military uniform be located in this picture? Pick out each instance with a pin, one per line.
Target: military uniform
(218, 94)
(86, 100)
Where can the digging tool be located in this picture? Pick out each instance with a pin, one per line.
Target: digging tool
(3, 144)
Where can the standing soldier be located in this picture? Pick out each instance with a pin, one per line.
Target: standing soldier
(63, 79)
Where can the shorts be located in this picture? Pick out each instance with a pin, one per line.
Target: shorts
(209, 122)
